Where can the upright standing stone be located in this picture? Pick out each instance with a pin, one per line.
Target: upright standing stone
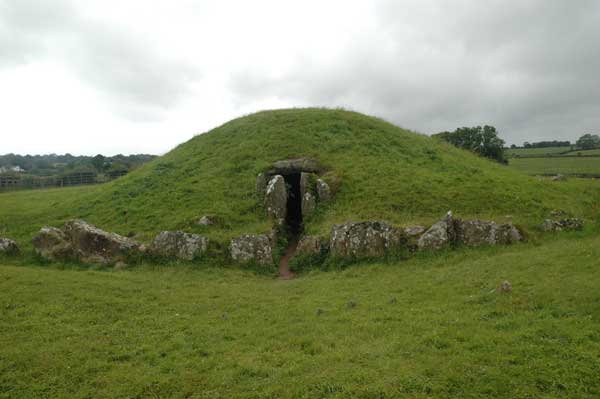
(276, 199)
(438, 235)
(309, 204)
(305, 186)
(323, 191)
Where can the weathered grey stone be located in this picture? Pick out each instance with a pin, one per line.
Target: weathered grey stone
(296, 165)
(53, 244)
(480, 232)
(365, 240)
(323, 191)
(261, 185)
(8, 247)
(207, 220)
(305, 184)
(309, 204)
(180, 245)
(565, 224)
(414, 231)
(438, 235)
(93, 245)
(276, 199)
(252, 248)
(309, 246)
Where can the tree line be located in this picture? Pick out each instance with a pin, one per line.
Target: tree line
(57, 165)
(485, 142)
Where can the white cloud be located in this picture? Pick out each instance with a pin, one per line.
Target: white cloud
(134, 76)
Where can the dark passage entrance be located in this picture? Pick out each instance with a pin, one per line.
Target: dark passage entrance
(293, 219)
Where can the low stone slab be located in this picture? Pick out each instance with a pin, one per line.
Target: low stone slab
(564, 224)
(252, 248)
(475, 233)
(8, 247)
(84, 242)
(180, 245)
(309, 246)
(53, 244)
(370, 239)
(296, 165)
(94, 245)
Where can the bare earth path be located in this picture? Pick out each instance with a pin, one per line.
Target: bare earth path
(284, 270)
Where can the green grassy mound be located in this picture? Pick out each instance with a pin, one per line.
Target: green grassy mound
(379, 171)
(431, 327)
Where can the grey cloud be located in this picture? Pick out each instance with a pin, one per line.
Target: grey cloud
(529, 68)
(139, 81)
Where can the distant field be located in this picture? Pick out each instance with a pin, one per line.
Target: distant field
(585, 152)
(536, 151)
(571, 165)
(431, 327)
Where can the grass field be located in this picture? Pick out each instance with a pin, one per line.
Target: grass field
(555, 165)
(523, 152)
(595, 152)
(432, 327)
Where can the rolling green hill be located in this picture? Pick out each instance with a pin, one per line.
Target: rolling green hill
(379, 171)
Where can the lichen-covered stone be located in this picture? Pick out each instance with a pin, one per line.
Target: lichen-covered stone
(369, 239)
(305, 183)
(438, 235)
(93, 245)
(53, 244)
(474, 233)
(414, 231)
(180, 245)
(252, 248)
(565, 224)
(323, 191)
(8, 247)
(276, 199)
(309, 246)
(309, 204)
(296, 165)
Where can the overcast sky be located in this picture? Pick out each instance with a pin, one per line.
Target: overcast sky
(126, 76)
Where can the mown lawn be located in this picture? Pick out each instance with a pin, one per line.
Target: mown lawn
(431, 327)
(555, 165)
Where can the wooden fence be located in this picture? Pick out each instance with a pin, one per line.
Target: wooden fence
(14, 181)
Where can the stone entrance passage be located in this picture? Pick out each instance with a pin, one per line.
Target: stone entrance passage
(289, 191)
(293, 218)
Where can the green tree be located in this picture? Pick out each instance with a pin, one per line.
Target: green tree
(588, 141)
(98, 162)
(480, 140)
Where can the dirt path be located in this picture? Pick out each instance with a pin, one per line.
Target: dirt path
(284, 270)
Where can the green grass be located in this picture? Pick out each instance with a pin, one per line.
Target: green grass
(524, 152)
(431, 327)
(384, 172)
(566, 166)
(585, 152)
